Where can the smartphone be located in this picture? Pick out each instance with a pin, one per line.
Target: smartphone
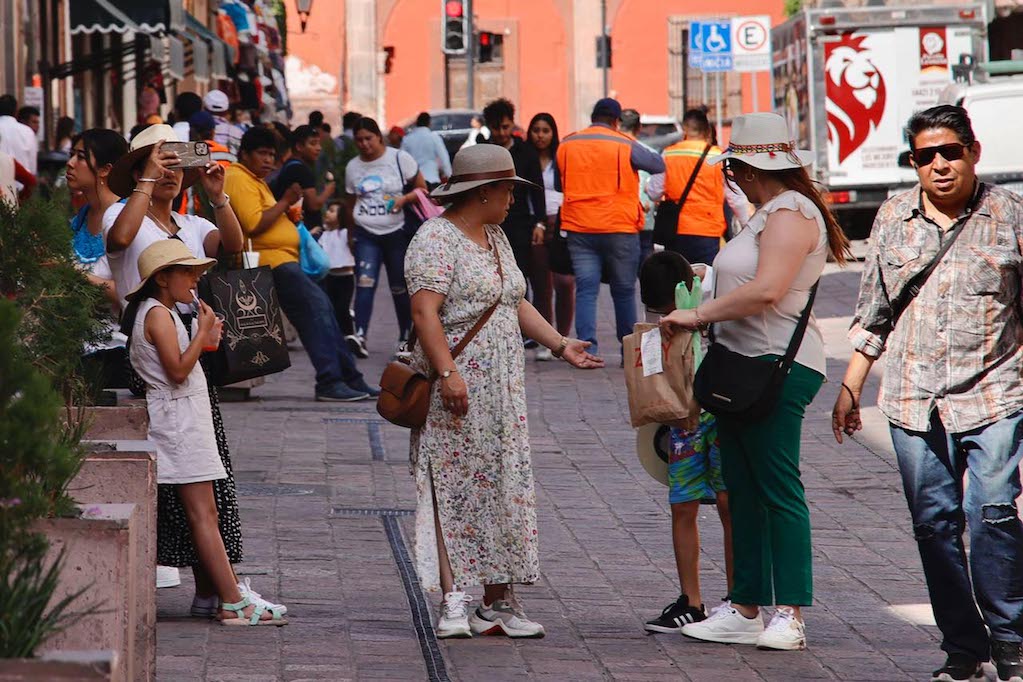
(191, 154)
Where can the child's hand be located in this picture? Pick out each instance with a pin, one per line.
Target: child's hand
(207, 319)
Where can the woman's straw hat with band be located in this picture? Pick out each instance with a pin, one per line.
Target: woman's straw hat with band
(161, 255)
(478, 165)
(762, 140)
(121, 181)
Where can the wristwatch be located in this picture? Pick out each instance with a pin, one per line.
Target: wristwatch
(447, 373)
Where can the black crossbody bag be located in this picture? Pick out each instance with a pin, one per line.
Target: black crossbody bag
(735, 385)
(668, 211)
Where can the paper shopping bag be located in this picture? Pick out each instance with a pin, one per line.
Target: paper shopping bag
(665, 396)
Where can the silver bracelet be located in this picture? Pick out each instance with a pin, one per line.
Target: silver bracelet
(141, 191)
(227, 200)
(147, 179)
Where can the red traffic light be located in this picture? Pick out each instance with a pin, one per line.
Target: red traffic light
(485, 39)
(454, 9)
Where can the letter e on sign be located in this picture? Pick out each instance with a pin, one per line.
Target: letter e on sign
(751, 43)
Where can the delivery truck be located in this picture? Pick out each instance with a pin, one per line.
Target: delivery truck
(848, 79)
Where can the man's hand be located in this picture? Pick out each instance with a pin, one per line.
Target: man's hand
(845, 416)
(293, 194)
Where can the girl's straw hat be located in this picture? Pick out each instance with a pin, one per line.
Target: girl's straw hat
(162, 255)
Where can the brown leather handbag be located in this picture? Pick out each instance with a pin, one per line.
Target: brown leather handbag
(405, 393)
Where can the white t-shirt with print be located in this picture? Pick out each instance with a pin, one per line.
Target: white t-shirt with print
(125, 264)
(374, 184)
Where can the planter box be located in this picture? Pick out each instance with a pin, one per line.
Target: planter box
(129, 421)
(98, 557)
(116, 477)
(62, 666)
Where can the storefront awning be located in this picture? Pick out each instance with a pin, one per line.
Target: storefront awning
(145, 16)
(217, 48)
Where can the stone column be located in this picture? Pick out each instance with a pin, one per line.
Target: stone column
(588, 83)
(362, 58)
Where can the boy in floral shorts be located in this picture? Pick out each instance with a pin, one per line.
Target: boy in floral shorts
(667, 281)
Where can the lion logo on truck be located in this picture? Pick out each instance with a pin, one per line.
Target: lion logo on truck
(855, 92)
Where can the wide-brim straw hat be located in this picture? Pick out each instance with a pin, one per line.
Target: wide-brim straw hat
(478, 165)
(653, 447)
(120, 179)
(162, 255)
(762, 140)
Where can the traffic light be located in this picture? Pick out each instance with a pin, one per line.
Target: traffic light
(455, 27)
(485, 47)
(388, 58)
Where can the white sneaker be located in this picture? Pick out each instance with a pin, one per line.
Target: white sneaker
(245, 588)
(544, 355)
(167, 576)
(785, 632)
(454, 616)
(727, 626)
(504, 617)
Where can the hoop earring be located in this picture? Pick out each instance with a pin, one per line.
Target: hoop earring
(750, 176)
(483, 198)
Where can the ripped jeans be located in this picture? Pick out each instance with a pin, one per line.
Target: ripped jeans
(372, 251)
(932, 466)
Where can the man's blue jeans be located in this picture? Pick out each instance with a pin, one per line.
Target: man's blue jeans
(372, 251)
(591, 254)
(309, 309)
(932, 466)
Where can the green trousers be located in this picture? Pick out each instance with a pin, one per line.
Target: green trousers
(770, 520)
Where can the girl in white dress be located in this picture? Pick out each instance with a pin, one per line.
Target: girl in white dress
(180, 416)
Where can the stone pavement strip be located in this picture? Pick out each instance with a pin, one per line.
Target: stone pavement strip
(325, 493)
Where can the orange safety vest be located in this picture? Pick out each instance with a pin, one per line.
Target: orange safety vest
(703, 213)
(600, 185)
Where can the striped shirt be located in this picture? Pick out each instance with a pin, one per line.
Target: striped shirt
(957, 347)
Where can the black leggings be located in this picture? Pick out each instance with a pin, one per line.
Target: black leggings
(340, 289)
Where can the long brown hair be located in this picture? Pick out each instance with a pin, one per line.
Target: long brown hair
(798, 180)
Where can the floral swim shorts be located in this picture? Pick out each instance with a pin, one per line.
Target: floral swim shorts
(694, 465)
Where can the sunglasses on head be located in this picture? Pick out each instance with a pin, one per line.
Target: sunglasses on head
(949, 152)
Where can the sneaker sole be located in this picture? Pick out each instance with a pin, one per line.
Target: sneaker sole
(197, 612)
(945, 677)
(661, 628)
(354, 399)
(487, 628)
(798, 646)
(454, 634)
(730, 638)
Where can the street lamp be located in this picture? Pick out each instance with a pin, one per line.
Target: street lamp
(304, 8)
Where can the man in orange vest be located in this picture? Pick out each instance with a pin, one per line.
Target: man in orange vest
(602, 215)
(701, 220)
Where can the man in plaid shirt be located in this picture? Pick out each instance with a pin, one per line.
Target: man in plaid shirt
(951, 389)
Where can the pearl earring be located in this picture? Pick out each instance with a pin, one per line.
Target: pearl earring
(483, 198)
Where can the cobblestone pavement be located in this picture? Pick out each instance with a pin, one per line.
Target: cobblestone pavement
(325, 491)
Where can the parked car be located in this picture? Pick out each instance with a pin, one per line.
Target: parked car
(453, 125)
(659, 131)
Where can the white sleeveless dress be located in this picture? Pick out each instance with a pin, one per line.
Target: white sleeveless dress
(180, 416)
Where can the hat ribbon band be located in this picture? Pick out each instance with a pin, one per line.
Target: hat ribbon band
(761, 148)
(473, 177)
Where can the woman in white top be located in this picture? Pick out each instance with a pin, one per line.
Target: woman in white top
(551, 274)
(764, 277)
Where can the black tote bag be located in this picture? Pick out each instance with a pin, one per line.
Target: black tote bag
(253, 343)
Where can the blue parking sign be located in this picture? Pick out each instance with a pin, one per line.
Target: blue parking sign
(717, 37)
(695, 44)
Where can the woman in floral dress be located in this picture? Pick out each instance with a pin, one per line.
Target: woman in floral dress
(476, 514)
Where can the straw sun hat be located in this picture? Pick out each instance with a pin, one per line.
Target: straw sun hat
(121, 181)
(478, 165)
(161, 255)
(762, 140)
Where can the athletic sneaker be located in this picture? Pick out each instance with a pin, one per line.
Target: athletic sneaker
(504, 617)
(726, 625)
(360, 386)
(454, 616)
(340, 393)
(675, 615)
(167, 576)
(245, 588)
(958, 668)
(357, 344)
(784, 633)
(1007, 659)
(544, 355)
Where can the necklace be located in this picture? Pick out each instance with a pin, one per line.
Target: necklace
(468, 232)
(160, 223)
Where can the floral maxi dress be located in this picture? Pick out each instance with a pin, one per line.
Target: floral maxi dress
(478, 465)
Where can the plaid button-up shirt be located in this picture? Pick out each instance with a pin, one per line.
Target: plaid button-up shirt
(957, 347)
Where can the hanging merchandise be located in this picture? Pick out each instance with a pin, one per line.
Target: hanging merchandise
(228, 32)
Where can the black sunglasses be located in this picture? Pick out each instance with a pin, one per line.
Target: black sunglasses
(949, 152)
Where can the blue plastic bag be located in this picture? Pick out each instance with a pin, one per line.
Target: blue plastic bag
(311, 256)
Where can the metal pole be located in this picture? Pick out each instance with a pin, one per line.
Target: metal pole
(703, 88)
(470, 59)
(717, 99)
(603, 35)
(753, 90)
